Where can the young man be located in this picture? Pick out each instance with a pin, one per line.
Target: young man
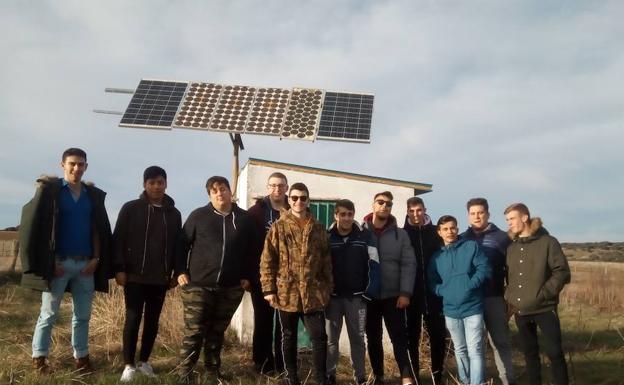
(457, 273)
(355, 267)
(220, 238)
(296, 277)
(398, 272)
(493, 242)
(146, 244)
(267, 337)
(65, 245)
(424, 306)
(538, 271)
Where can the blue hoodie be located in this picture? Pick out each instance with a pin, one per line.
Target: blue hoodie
(457, 273)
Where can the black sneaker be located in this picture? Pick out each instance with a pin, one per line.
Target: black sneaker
(330, 380)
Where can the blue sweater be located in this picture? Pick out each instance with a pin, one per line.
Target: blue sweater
(457, 273)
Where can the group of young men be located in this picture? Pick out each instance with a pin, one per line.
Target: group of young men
(295, 269)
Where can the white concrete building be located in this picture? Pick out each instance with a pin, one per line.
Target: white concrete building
(326, 187)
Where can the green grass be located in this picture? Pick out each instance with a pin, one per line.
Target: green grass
(593, 340)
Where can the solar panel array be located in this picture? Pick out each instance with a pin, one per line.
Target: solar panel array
(300, 113)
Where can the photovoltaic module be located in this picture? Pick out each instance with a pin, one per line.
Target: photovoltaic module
(297, 113)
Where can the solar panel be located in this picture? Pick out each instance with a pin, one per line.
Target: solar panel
(268, 111)
(154, 104)
(346, 116)
(303, 114)
(300, 113)
(199, 104)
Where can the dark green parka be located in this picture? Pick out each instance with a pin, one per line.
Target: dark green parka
(38, 235)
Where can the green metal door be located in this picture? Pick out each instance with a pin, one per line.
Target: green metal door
(323, 211)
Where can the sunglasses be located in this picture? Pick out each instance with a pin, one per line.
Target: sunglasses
(382, 202)
(295, 198)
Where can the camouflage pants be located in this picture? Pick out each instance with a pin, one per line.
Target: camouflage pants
(207, 314)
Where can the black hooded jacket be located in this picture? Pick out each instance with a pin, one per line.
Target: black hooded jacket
(425, 241)
(147, 240)
(219, 247)
(263, 215)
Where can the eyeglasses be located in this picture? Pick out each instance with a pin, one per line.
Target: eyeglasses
(274, 186)
(382, 202)
(295, 198)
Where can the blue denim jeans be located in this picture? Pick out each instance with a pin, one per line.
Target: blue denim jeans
(467, 336)
(81, 287)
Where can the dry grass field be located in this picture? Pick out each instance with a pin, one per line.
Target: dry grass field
(592, 313)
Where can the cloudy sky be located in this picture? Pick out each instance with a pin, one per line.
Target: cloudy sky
(511, 100)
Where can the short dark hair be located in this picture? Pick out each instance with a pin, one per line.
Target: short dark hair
(345, 204)
(519, 207)
(299, 187)
(478, 202)
(217, 179)
(415, 201)
(74, 151)
(279, 175)
(153, 172)
(445, 219)
(386, 194)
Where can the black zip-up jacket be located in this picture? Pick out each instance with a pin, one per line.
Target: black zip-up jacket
(263, 216)
(134, 229)
(219, 247)
(351, 257)
(426, 242)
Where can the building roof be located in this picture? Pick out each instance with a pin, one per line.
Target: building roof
(8, 235)
(419, 188)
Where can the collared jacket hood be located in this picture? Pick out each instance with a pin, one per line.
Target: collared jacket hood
(134, 238)
(219, 247)
(38, 231)
(296, 264)
(457, 273)
(397, 263)
(494, 243)
(537, 271)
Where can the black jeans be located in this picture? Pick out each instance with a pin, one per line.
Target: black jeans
(396, 324)
(267, 336)
(548, 322)
(315, 325)
(141, 297)
(435, 327)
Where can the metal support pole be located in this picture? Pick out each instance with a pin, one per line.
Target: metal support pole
(237, 143)
(113, 90)
(109, 112)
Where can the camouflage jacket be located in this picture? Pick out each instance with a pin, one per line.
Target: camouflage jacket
(296, 265)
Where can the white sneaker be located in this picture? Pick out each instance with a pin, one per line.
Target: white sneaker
(146, 369)
(128, 374)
